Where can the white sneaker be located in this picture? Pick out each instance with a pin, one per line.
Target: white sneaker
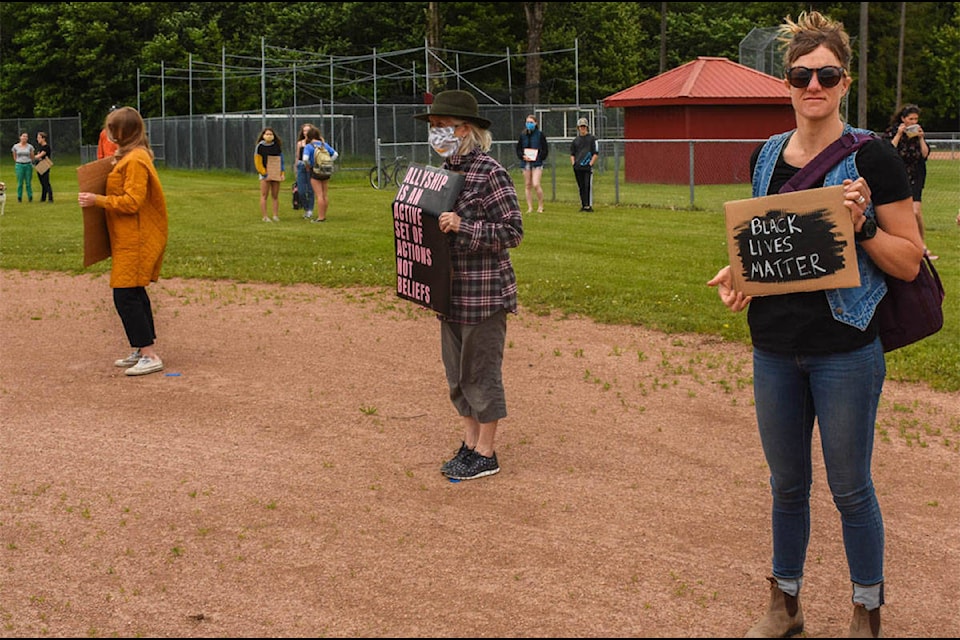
(129, 361)
(145, 365)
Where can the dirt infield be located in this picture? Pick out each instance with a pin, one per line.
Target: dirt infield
(280, 478)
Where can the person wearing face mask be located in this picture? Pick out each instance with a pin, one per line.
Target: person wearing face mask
(269, 144)
(532, 151)
(484, 224)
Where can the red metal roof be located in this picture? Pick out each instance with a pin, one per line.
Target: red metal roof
(706, 80)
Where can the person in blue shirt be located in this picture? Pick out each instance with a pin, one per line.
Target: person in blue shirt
(532, 151)
(319, 182)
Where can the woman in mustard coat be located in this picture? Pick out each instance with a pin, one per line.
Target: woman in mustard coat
(136, 215)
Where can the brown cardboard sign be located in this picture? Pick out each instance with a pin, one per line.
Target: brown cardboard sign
(92, 178)
(274, 174)
(800, 241)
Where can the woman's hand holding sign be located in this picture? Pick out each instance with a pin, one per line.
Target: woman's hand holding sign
(856, 196)
(733, 299)
(449, 221)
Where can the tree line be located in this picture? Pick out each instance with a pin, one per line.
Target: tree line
(63, 58)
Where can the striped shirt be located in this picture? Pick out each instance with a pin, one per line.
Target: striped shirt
(483, 278)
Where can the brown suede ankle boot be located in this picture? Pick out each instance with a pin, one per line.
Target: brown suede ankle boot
(784, 616)
(865, 624)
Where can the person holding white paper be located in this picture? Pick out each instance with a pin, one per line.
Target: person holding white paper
(817, 355)
(532, 151)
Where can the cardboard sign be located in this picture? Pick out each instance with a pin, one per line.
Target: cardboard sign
(424, 272)
(274, 174)
(92, 178)
(800, 241)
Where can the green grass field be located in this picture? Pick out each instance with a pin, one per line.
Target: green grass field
(623, 264)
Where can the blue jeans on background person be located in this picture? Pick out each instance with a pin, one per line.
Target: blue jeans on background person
(304, 188)
(842, 391)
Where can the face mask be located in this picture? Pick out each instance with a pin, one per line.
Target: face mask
(531, 126)
(444, 141)
(268, 137)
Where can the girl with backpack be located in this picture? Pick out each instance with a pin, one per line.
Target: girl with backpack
(319, 156)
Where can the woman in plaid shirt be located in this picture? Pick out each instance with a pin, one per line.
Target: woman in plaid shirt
(483, 226)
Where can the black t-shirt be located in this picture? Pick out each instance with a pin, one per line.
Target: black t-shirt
(801, 323)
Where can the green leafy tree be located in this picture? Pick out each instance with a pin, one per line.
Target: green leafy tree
(64, 58)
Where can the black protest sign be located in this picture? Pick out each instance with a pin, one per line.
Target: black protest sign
(799, 241)
(424, 272)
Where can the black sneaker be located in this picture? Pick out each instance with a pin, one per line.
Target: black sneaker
(461, 453)
(473, 465)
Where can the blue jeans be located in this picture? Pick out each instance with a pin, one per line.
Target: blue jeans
(303, 187)
(842, 391)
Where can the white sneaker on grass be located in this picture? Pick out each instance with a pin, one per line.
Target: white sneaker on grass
(145, 365)
(129, 361)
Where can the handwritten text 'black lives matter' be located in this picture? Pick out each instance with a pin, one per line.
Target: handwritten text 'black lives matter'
(408, 230)
(783, 246)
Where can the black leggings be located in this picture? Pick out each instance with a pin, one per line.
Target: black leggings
(136, 314)
(47, 190)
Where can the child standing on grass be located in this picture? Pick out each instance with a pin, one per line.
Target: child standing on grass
(269, 145)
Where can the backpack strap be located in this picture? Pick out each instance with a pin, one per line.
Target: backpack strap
(816, 169)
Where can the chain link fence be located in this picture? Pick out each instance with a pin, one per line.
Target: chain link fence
(672, 174)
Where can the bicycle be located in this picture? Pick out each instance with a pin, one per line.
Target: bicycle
(391, 174)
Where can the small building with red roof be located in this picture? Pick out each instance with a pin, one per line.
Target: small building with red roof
(710, 98)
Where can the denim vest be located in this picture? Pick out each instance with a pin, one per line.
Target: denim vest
(852, 306)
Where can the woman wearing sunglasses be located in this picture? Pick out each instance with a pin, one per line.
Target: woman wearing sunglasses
(817, 355)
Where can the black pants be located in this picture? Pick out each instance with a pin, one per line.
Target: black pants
(584, 184)
(46, 189)
(136, 314)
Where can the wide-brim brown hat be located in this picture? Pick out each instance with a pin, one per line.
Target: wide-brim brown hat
(455, 104)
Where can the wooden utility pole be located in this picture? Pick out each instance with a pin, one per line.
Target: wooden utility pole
(663, 37)
(534, 13)
(903, 26)
(434, 69)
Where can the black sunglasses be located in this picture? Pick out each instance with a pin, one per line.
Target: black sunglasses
(828, 77)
